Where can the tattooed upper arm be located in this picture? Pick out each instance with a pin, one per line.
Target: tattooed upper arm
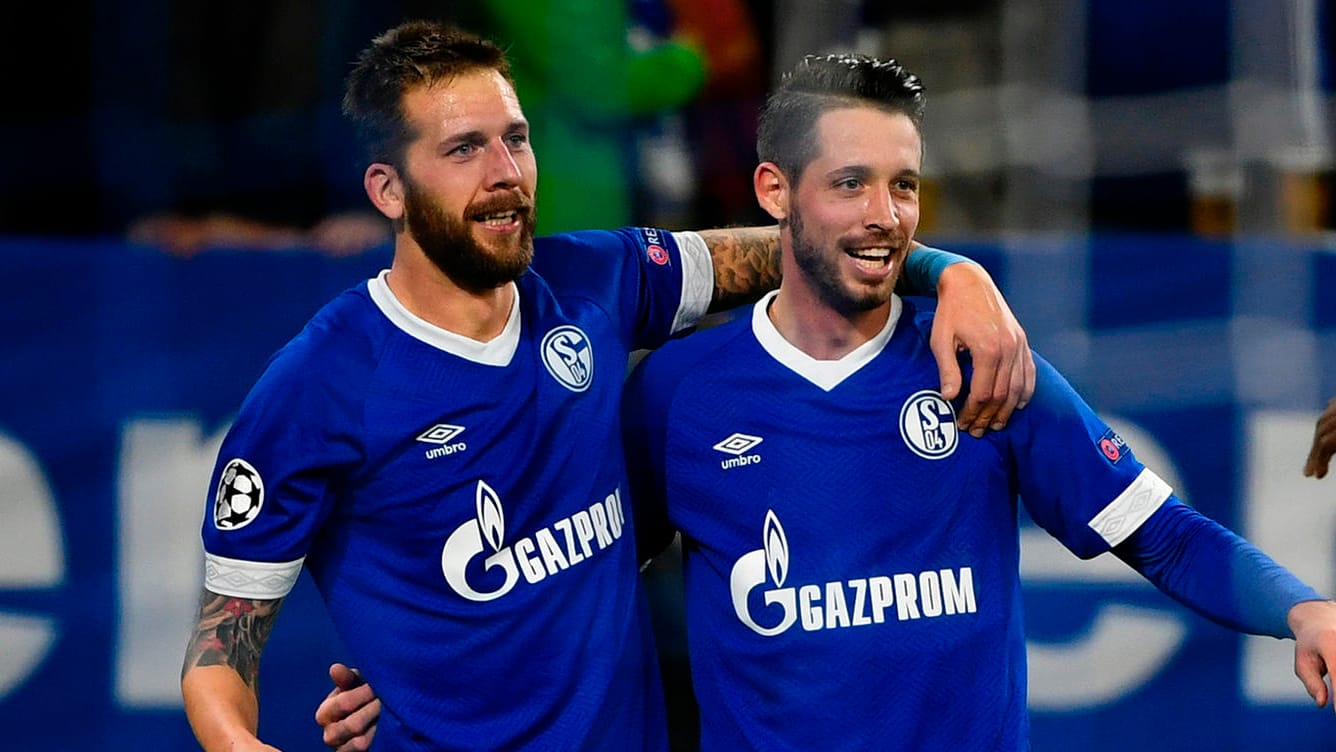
(231, 631)
(746, 264)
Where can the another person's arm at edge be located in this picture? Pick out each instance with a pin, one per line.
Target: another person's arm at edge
(971, 315)
(1324, 443)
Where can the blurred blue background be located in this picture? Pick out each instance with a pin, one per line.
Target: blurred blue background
(1150, 184)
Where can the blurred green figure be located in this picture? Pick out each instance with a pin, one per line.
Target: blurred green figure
(582, 85)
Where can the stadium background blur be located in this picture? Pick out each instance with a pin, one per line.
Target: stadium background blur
(1150, 183)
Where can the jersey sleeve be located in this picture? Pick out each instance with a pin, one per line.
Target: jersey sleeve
(270, 487)
(653, 283)
(1208, 568)
(1077, 477)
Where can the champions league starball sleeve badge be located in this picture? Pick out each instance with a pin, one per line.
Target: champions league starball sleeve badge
(239, 496)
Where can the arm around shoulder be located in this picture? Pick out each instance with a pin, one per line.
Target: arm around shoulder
(973, 315)
(924, 267)
(746, 264)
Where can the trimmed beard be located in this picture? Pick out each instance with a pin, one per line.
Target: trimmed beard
(449, 243)
(823, 273)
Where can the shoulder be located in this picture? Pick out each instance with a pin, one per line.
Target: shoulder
(549, 249)
(1056, 410)
(703, 342)
(649, 282)
(917, 315)
(688, 354)
(584, 251)
(591, 265)
(337, 349)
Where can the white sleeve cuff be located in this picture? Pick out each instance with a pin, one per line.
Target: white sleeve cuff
(257, 580)
(1133, 506)
(697, 280)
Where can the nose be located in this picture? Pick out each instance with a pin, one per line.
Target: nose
(502, 169)
(882, 212)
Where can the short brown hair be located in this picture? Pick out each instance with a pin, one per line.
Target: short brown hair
(412, 54)
(820, 83)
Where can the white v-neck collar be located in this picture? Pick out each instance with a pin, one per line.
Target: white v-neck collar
(825, 374)
(496, 352)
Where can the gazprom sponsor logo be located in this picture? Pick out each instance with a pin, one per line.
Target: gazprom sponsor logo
(568, 542)
(839, 604)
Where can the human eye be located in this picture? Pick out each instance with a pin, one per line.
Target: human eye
(848, 184)
(462, 150)
(907, 185)
(517, 140)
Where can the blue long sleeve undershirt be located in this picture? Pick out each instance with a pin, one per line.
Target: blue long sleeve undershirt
(1214, 572)
(924, 267)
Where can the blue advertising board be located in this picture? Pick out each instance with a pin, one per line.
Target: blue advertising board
(123, 367)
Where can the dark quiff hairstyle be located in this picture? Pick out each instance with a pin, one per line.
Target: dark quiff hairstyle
(412, 54)
(786, 134)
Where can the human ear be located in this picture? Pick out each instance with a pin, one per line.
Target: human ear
(772, 190)
(385, 188)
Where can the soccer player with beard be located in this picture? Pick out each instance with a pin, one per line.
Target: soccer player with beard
(852, 582)
(440, 446)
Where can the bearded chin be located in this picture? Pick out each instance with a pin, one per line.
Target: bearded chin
(449, 244)
(824, 276)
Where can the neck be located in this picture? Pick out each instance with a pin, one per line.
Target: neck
(823, 333)
(432, 296)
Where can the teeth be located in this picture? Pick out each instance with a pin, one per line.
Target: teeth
(871, 254)
(499, 218)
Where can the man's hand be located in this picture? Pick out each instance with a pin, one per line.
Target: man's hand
(1314, 626)
(1324, 443)
(349, 713)
(972, 315)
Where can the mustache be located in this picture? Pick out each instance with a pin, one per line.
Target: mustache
(509, 201)
(892, 240)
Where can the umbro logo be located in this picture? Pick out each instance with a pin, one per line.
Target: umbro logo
(738, 445)
(443, 435)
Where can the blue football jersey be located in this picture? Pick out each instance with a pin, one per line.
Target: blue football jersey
(851, 559)
(462, 506)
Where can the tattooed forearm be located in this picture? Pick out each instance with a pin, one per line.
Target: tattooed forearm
(746, 264)
(231, 632)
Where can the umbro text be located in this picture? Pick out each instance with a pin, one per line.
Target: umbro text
(446, 449)
(731, 462)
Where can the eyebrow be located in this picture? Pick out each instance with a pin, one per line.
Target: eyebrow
(863, 172)
(466, 137)
(476, 136)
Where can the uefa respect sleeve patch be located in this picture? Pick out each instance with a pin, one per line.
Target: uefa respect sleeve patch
(652, 241)
(1112, 446)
